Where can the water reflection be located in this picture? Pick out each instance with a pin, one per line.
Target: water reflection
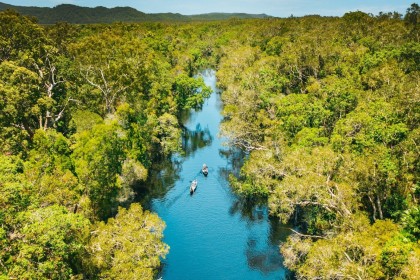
(248, 209)
(214, 232)
(266, 260)
(164, 174)
(235, 159)
(265, 256)
(161, 178)
(192, 140)
(262, 255)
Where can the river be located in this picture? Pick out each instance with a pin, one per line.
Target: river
(212, 234)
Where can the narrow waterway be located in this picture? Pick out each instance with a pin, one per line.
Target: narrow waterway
(212, 234)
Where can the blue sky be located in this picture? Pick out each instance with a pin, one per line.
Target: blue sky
(280, 8)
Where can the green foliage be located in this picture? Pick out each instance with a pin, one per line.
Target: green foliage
(395, 255)
(275, 45)
(33, 86)
(14, 195)
(375, 251)
(129, 245)
(51, 244)
(84, 120)
(411, 221)
(413, 14)
(98, 156)
(412, 18)
(311, 137)
(50, 150)
(21, 99)
(297, 111)
(312, 182)
(168, 134)
(371, 124)
(190, 92)
(20, 36)
(327, 109)
(50, 166)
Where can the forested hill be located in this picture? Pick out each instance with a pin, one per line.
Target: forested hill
(224, 16)
(76, 14)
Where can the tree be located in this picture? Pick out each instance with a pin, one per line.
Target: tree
(98, 156)
(167, 133)
(50, 171)
(19, 88)
(14, 198)
(110, 66)
(190, 92)
(20, 36)
(32, 85)
(412, 18)
(412, 15)
(111, 89)
(25, 105)
(49, 244)
(364, 252)
(312, 182)
(128, 246)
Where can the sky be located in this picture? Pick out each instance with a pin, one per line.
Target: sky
(278, 8)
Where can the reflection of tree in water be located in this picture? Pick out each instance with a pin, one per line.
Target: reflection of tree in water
(192, 140)
(251, 210)
(164, 174)
(266, 259)
(235, 158)
(162, 177)
(278, 231)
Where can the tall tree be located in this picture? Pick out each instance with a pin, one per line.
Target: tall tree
(129, 245)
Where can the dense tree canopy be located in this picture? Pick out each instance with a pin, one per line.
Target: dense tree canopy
(84, 111)
(329, 114)
(327, 110)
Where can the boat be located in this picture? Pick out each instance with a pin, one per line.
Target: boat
(205, 170)
(193, 186)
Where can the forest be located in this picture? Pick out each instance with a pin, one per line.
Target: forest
(327, 110)
(83, 15)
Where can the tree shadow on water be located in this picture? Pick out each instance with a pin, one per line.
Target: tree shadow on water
(163, 174)
(262, 252)
(162, 177)
(235, 159)
(266, 260)
(192, 140)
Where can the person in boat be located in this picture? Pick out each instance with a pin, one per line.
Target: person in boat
(205, 169)
(193, 186)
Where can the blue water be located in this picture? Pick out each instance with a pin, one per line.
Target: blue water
(212, 234)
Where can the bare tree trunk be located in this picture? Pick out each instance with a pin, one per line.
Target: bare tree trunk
(46, 120)
(378, 202)
(51, 82)
(40, 122)
(373, 207)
